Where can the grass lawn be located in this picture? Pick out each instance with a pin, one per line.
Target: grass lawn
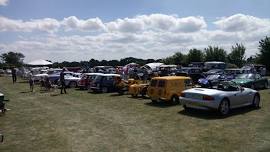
(85, 122)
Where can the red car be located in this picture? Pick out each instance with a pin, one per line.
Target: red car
(86, 80)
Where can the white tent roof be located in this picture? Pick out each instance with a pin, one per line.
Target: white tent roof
(39, 62)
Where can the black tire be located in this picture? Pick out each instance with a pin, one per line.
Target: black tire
(72, 84)
(224, 107)
(154, 101)
(186, 108)
(175, 99)
(256, 101)
(134, 95)
(143, 92)
(104, 90)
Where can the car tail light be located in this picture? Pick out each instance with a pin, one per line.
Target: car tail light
(183, 95)
(208, 98)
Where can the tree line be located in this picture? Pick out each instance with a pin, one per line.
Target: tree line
(236, 57)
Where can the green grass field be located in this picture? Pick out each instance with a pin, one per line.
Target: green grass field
(85, 122)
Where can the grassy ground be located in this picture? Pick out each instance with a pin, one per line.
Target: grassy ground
(84, 122)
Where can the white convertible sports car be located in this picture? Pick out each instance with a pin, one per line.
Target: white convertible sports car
(228, 95)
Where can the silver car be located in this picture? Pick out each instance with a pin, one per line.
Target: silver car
(226, 96)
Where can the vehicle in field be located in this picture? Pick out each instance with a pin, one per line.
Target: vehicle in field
(166, 70)
(86, 80)
(227, 96)
(210, 80)
(168, 88)
(105, 83)
(214, 65)
(253, 81)
(71, 81)
(195, 73)
(138, 89)
(214, 71)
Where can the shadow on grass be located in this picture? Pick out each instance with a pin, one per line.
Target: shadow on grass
(211, 114)
(162, 104)
(26, 92)
(139, 97)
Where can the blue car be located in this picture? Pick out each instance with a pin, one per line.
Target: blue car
(104, 83)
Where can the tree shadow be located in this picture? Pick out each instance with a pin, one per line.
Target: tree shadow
(26, 92)
(212, 114)
(162, 104)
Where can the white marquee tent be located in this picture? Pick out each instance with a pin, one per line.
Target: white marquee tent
(39, 62)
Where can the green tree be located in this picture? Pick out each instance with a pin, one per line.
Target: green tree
(194, 55)
(12, 59)
(177, 58)
(264, 54)
(214, 53)
(237, 55)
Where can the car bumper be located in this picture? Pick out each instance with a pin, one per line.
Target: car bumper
(199, 104)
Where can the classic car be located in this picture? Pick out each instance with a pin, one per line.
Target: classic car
(210, 80)
(195, 73)
(227, 96)
(104, 83)
(138, 89)
(213, 71)
(168, 88)
(253, 81)
(86, 80)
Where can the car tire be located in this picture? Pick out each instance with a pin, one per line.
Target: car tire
(224, 107)
(104, 90)
(256, 101)
(154, 101)
(134, 95)
(175, 99)
(72, 84)
(186, 108)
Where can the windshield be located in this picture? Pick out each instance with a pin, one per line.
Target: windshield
(211, 77)
(245, 76)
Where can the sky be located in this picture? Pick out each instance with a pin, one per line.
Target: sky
(75, 30)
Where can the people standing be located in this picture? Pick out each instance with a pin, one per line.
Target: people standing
(62, 81)
(31, 82)
(13, 73)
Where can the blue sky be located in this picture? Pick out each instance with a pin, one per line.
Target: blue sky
(116, 29)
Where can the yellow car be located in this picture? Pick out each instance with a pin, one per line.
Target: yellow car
(138, 89)
(168, 88)
(133, 81)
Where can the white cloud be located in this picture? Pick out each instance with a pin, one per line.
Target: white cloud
(73, 23)
(46, 24)
(143, 36)
(241, 22)
(3, 2)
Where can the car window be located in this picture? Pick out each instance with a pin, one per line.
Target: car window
(161, 83)
(153, 83)
(258, 76)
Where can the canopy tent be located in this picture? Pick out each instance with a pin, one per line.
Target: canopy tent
(39, 62)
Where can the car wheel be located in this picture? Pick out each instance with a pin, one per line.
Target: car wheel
(224, 107)
(175, 99)
(265, 85)
(154, 101)
(256, 101)
(134, 95)
(104, 90)
(72, 84)
(186, 108)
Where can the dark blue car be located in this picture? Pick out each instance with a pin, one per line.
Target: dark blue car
(105, 83)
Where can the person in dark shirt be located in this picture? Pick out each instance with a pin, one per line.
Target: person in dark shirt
(62, 81)
(14, 77)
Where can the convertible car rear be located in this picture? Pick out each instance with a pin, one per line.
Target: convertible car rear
(228, 95)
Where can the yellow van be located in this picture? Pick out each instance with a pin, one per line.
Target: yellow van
(168, 88)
